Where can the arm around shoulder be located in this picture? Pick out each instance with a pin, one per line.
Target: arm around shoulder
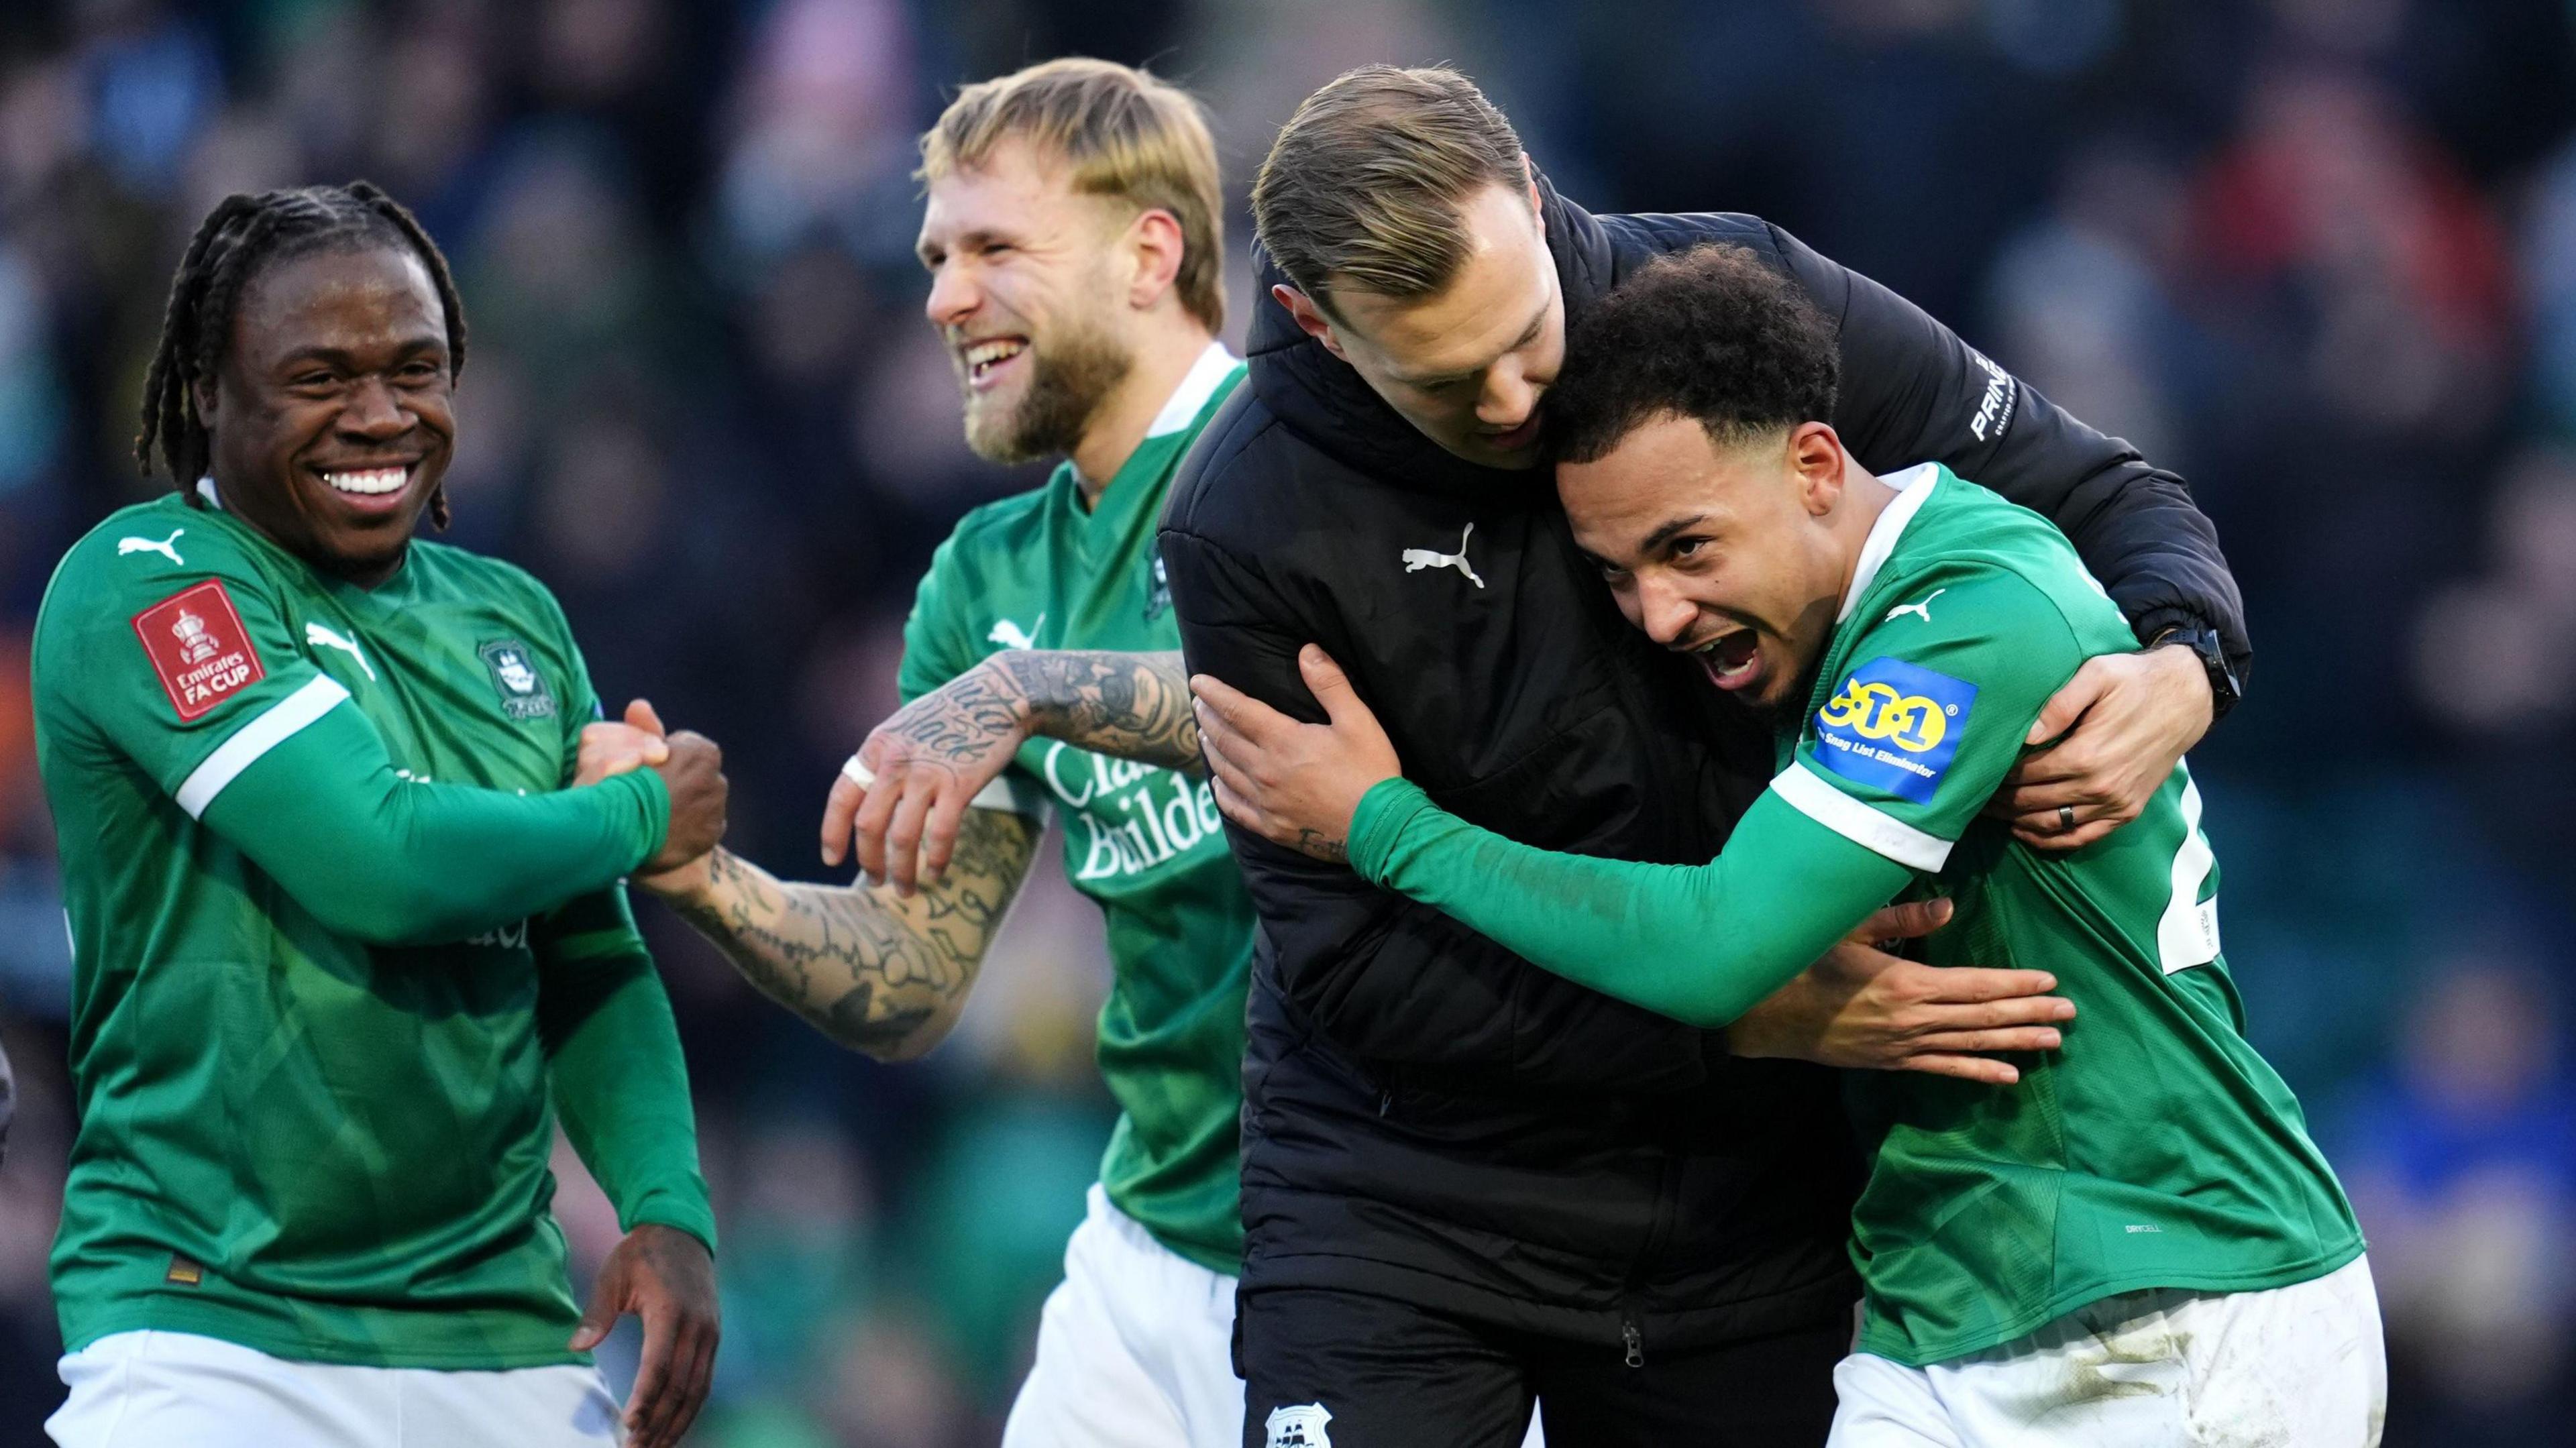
(1913, 391)
(1385, 977)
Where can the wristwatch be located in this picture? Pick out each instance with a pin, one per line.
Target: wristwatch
(2224, 691)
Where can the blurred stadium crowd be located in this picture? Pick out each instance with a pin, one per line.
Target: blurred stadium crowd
(2317, 255)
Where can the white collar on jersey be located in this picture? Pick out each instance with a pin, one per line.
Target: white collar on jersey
(206, 490)
(1912, 486)
(1197, 385)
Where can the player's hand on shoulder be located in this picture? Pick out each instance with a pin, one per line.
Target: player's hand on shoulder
(1293, 784)
(2104, 744)
(1862, 1008)
(900, 801)
(667, 1279)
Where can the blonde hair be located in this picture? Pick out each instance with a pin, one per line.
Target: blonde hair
(1125, 132)
(1364, 184)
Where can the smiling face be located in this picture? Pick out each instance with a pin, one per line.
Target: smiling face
(1737, 554)
(330, 414)
(1024, 288)
(1468, 364)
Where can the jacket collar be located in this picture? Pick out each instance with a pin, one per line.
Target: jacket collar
(1323, 400)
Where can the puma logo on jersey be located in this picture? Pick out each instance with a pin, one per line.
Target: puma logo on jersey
(1008, 635)
(323, 638)
(1417, 559)
(146, 545)
(1924, 608)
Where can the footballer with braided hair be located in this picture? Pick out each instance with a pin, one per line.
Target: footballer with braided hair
(240, 235)
(347, 941)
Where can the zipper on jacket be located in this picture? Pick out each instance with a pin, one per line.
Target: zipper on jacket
(1667, 1206)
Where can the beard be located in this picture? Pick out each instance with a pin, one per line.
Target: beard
(1068, 380)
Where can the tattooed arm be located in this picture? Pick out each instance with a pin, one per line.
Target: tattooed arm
(1125, 705)
(882, 973)
(937, 752)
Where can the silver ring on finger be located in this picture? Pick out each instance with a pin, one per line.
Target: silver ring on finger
(2065, 818)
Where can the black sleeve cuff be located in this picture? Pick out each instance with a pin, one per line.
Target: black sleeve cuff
(2227, 667)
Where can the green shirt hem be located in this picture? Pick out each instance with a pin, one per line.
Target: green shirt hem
(1222, 1263)
(168, 1312)
(1221, 1254)
(1878, 1340)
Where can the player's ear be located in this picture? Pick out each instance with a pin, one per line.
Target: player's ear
(1309, 317)
(1817, 460)
(1154, 240)
(202, 394)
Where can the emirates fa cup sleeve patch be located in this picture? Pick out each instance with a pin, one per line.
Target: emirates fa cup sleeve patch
(1894, 726)
(199, 649)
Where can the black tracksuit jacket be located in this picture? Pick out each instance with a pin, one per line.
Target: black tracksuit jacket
(1427, 1116)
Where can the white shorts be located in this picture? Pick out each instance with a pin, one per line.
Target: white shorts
(159, 1389)
(1135, 1350)
(2300, 1365)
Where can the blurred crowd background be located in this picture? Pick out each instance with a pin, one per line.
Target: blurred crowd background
(2317, 255)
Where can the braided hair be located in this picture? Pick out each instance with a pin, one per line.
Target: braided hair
(237, 239)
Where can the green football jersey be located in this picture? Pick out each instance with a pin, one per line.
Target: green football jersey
(289, 1138)
(2155, 1148)
(1043, 570)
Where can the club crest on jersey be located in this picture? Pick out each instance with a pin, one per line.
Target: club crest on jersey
(514, 673)
(1301, 1426)
(199, 649)
(1894, 726)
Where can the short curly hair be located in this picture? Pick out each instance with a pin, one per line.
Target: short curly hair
(1710, 334)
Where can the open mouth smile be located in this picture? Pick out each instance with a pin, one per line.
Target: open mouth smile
(986, 359)
(1732, 659)
(376, 490)
(368, 482)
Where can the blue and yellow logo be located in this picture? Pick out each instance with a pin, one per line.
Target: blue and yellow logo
(1894, 726)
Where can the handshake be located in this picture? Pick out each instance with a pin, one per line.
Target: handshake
(898, 806)
(692, 770)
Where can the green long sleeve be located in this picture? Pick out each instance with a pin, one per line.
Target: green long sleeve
(1699, 943)
(396, 861)
(613, 1058)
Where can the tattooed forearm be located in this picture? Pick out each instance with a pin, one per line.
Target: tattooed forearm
(877, 972)
(1128, 706)
(964, 718)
